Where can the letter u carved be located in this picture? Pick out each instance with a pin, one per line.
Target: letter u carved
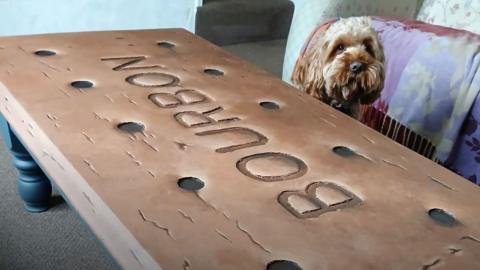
(258, 140)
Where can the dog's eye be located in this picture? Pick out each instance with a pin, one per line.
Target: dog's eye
(340, 48)
(369, 48)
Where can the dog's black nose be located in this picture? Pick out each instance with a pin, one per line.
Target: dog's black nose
(356, 67)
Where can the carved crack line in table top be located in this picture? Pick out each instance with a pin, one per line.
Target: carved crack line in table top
(155, 224)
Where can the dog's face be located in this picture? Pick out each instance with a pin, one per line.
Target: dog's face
(346, 66)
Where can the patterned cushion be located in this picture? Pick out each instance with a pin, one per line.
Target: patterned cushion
(460, 14)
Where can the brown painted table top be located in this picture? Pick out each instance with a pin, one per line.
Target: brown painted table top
(181, 156)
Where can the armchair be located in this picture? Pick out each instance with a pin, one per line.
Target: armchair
(455, 146)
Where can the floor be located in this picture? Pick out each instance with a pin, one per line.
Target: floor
(55, 239)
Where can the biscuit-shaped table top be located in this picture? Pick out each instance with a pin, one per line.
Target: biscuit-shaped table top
(181, 156)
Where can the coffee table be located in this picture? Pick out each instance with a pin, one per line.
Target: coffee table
(180, 156)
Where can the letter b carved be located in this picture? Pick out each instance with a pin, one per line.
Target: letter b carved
(317, 199)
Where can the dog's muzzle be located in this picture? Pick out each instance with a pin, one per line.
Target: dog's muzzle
(356, 67)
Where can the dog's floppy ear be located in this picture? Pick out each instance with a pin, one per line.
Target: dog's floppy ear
(370, 97)
(375, 91)
(308, 70)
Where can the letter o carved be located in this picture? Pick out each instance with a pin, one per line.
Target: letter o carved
(272, 167)
(152, 79)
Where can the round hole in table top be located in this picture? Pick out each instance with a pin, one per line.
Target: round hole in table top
(343, 151)
(165, 44)
(82, 84)
(283, 265)
(270, 105)
(213, 72)
(45, 53)
(131, 127)
(441, 216)
(190, 183)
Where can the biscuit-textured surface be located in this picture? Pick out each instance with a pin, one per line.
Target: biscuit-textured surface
(180, 156)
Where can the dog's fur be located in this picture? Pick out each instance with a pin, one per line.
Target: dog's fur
(325, 70)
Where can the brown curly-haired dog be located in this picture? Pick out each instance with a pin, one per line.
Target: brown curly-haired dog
(345, 67)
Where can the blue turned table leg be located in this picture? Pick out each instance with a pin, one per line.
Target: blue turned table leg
(34, 187)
